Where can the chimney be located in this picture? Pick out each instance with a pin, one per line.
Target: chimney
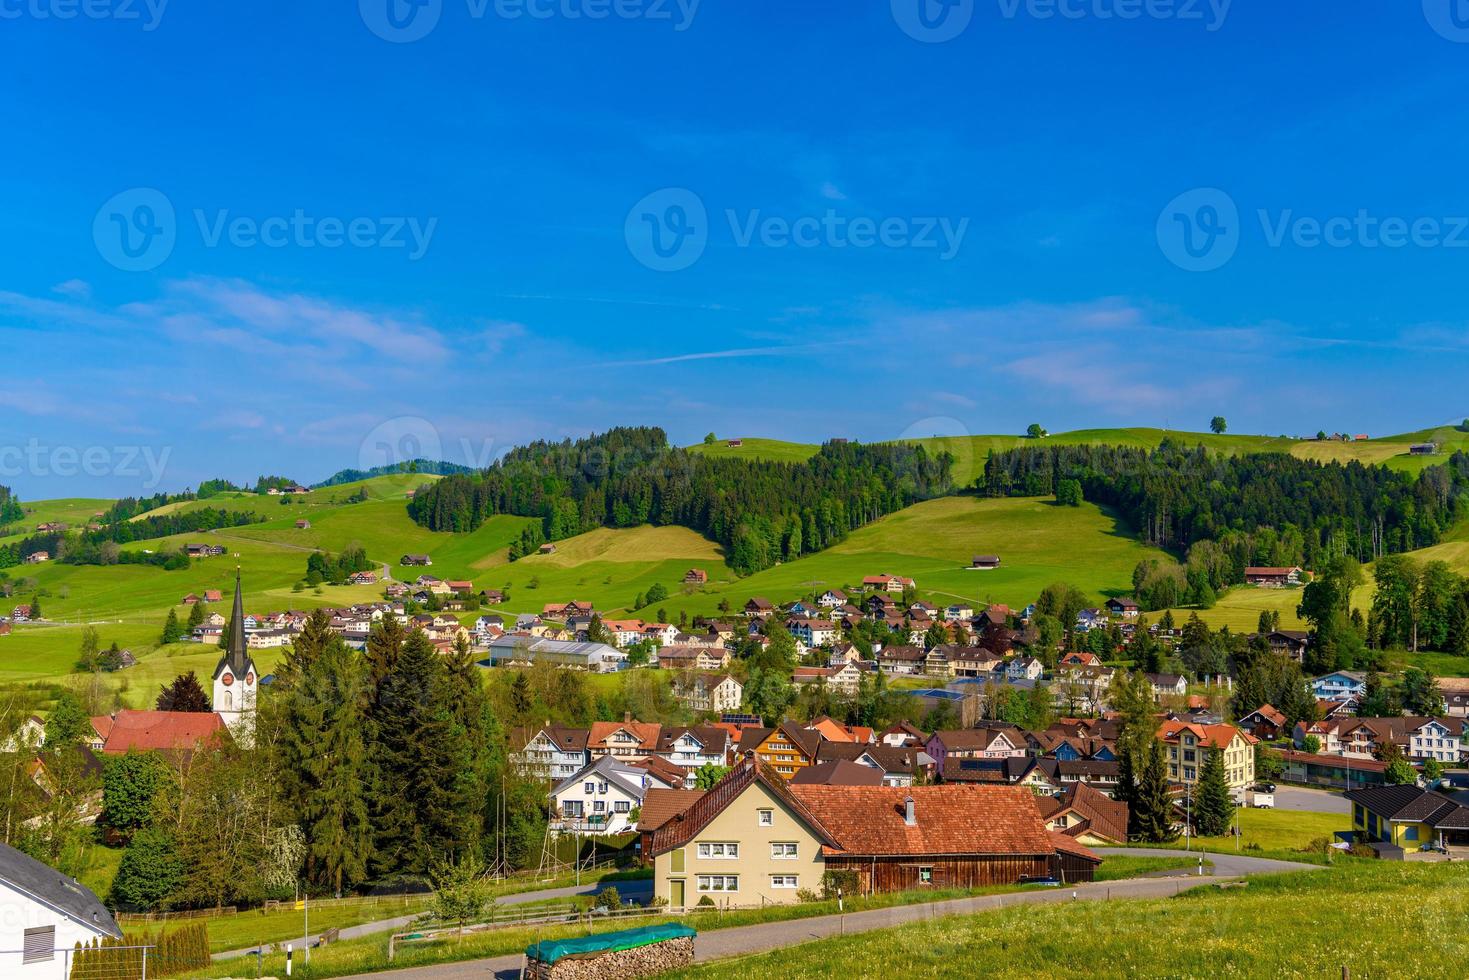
(627, 717)
(910, 817)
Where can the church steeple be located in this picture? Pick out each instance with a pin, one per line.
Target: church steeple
(237, 657)
(235, 682)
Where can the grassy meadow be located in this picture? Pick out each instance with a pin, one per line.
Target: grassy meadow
(1407, 920)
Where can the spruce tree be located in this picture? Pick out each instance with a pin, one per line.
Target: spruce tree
(1213, 807)
(1126, 791)
(171, 629)
(1153, 802)
(196, 615)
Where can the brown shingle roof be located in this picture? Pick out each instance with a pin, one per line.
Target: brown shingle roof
(662, 805)
(684, 826)
(949, 819)
(1104, 816)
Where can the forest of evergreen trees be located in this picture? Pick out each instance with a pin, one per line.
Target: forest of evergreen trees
(762, 512)
(1177, 497)
(10, 509)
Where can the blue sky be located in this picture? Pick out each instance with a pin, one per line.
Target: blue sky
(1057, 214)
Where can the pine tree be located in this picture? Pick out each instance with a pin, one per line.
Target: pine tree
(412, 761)
(1213, 807)
(1126, 791)
(1153, 804)
(171, 629)
(184, 694)
(196, 615)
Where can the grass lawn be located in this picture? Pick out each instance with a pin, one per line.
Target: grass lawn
(1406, 920)
(1282, 833)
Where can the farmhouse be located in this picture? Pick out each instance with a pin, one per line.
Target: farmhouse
(753, 839)
(546, 549)
(37, 557)
(1423, 449)
(985, 563)
(45, 915)
(213, 595)
(363, 578)
(758, 607)
(302, 524)
(695, 576)
(1273, 578)
(888, 583)
(415, 561)
(1124, 607)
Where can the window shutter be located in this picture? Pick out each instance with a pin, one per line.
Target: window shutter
(40, 945)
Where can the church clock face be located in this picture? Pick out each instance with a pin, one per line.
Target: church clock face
(227, 680)
(250, 678)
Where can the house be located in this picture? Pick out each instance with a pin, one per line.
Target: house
(37, 557)
(895, 584)
(691, 748)
(363, 578)
(898, 660)
(1039, 776)
(832, 599)
(693, 658)
(203, 550)
(302, 524)
(985, 563)
(812, 632)
(1339, 684)
(46, 914)
(844, 679)
(834, 731)
(997, 740)
(553, 752)
(1166, 685)
(491, 597)
(627, 740)
(753, 840)
(1023, 669)
(958, 612)
(143, 731)
(838, 772)
(1289, 643)
(759, 608)
(460, 586)
(415, 561)
(567, 611)
(1406, 818)
(1187, 745)
(189, 600)
(1334, 771)
(1265, 723)
(695, 576)
(1126, 608)
(599, 799)
(972, 661)
(546, 549)
(898, 765)
(1086, 814)
(735, 443)
(1273, 578)
(213, 595)
(1079, 659)
(1423, 449)
(716, 693)
(785, 748)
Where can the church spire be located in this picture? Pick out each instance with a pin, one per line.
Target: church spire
(237, 658)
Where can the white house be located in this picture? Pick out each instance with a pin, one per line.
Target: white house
(694, 747)
(812, 632)
(1435, 740)
(719, 693)
(1338, 685)
(555, 752)
(600, 798)
(43, 915)
(1023, 669)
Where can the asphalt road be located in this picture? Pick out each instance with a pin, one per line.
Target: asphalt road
(1310, 800)
(744, 940)
(637, 890)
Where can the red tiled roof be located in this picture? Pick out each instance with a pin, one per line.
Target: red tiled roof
(662, 805)
(169, 730)
(647, 732)
(1068, 845)
(949, 819)
(1105, 816)
(677, 832)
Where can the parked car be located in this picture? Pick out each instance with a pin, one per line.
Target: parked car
(1265, 787)
(1045, 881)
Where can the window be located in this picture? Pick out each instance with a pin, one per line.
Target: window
(783, 881)
(589, 788)
(716, 850)
(925, 876)
(599, 806)
(719, 883)
(40, 945)
(622, 806)
(767, 818)
(783, 849)
(1410, 833)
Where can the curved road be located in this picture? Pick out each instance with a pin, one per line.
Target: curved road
(743, 940)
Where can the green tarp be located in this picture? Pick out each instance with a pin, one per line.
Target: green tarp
(551, 950)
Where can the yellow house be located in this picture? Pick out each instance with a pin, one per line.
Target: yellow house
(748, 841)
(1408, 817)
(1187, 746)
(785, 748)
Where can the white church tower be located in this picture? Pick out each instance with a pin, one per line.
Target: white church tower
(236, 683)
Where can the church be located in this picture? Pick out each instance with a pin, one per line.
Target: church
(236, 682)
